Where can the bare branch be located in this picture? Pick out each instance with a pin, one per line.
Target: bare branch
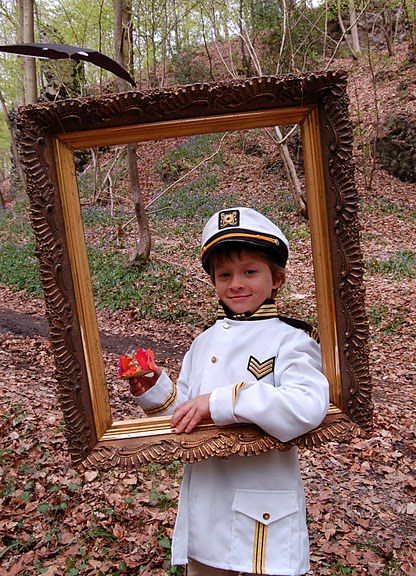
(231, 72)
(204, 161)
(346, 31)
(374, 86)
(282, 140)
(282, 43)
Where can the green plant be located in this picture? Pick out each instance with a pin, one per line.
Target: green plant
(186, 155)
(366, 545)
(117, 287)
(187, 68)
(162, 500)
(376, 314)
(163, 541)
(391, 568)
(298, 233)
(99, 532)
(19, 268)
(393, 326)
(14, 224)
(174, 468)
(385, 206)
(176, 570)
(194, 200)
(5, 455)
(8, 488)
(342, 570)
(97, 216)
(401, 264)
(43, 508)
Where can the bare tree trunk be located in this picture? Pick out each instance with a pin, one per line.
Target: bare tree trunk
(2, 186)
(176, 28)
(387, 20)
(2, 202)
(354, 29)
(344, 31)
(207, 49)
(123, 39)
(142, 253)
(21, 95)
(282, 43)
(15, 154)
(31, 91)
(325, 32)
(164, 44)
(295, 186)
(369, 183)
(245, 60)
(411, 24)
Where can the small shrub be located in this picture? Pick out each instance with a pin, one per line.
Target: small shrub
(187, 68)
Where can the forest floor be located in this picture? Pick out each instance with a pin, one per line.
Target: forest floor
(361, 499)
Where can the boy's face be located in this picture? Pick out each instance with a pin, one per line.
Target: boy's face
(244, 282)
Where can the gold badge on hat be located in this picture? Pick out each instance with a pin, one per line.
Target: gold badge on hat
(228, 219)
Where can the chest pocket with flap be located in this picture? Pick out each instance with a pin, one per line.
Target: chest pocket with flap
(263, 527)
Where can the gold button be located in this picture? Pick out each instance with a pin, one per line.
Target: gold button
(214, 359)
(226, 325)
(266, 516)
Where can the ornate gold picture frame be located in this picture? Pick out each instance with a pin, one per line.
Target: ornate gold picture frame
(48, 136)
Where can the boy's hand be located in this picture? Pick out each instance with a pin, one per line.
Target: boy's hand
(189, 414)
(141, 384)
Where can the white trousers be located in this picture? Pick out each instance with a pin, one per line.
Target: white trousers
(195, 568)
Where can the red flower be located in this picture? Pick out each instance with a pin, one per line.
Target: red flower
(139, 364)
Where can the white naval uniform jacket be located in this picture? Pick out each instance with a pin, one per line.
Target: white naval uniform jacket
(247, 513)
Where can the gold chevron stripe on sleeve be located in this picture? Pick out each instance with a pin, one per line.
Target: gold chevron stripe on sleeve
(259, 548)
(168, 402)
(260, 369)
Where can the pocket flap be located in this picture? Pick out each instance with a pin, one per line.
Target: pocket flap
(265, 506)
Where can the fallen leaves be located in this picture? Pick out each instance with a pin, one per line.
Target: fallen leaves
(360, 497)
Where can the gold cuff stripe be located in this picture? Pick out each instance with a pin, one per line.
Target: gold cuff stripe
(236, 390)
(168, 402)
(273, 241)
(259, 549)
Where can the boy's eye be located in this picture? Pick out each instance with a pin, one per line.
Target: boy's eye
(250, 272)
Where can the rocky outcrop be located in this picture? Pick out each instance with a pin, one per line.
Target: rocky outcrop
(396, 147)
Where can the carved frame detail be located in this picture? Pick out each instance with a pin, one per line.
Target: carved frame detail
(48, 135)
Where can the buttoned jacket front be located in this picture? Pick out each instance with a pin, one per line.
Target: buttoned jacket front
(247, 513)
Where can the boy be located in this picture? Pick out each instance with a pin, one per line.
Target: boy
(243, 514)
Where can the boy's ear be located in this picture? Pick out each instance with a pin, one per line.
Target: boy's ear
(279, 280)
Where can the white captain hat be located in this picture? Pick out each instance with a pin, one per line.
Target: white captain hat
(243, 226)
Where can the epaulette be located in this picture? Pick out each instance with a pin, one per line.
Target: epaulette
(310, 330)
